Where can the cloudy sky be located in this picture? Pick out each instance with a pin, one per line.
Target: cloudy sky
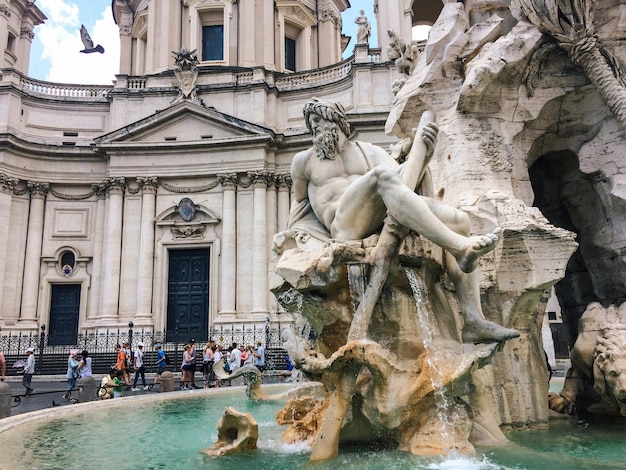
(55, 55)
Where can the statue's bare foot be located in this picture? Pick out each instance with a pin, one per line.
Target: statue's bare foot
(477, 246)
(485, 331)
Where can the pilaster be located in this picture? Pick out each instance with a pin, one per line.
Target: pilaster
(228, 279)
(32, 266)
(260, 180)
(112, 249)
(146, 247)
(7, 184)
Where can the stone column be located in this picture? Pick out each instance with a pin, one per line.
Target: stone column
(284, 186)
(94, 309)
(32, 262)
(112, 250)
(146, 246)
(7, 184)
(272, 211)
(27, 35)
(259, 242)
(228, 280)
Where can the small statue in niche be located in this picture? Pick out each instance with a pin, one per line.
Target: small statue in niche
(186, 71)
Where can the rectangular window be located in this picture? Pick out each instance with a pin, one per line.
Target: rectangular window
(213, 42)
(11, 42)
(290, 54)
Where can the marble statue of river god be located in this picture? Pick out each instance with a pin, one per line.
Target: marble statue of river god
(361, 247)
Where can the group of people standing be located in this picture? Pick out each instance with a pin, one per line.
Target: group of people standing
(80, 365)
(77, 368)
(211, 354)
(236, 358)
(126, 362)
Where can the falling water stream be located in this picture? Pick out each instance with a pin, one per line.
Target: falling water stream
(356, 282)
(446, 409)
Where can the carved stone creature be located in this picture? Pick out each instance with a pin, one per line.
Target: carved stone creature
(405, 55)
(598, 372)
(236, 432)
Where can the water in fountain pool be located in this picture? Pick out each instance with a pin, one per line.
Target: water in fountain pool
(169, 433)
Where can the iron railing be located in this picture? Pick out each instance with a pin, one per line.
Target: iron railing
(51, 359)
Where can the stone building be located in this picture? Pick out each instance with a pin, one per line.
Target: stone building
(155, 200)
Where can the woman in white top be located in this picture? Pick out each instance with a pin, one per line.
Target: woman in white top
(84, 366)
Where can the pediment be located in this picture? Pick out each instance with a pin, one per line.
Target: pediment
(185, 122)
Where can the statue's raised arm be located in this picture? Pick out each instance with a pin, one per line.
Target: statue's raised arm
(349, 187)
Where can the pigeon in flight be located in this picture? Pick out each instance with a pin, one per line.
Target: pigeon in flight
(88, 43)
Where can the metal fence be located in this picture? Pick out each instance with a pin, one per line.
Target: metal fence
(52, 359)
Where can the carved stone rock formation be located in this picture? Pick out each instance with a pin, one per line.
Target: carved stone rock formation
(236, 432)
(382, 387)
(304, 417)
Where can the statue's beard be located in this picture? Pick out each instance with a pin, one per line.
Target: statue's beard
(325, 142)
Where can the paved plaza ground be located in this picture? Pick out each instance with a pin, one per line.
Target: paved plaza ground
(49, 390)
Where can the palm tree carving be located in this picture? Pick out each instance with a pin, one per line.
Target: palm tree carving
(571, 24)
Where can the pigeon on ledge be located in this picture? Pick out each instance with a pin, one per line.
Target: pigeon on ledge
(88, 43)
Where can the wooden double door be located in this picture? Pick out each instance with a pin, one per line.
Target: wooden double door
(188, 295)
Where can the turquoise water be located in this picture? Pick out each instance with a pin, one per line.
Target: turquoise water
(170, 435)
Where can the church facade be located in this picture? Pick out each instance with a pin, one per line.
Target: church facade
(154, 201)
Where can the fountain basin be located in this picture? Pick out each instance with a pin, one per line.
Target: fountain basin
(170, 430)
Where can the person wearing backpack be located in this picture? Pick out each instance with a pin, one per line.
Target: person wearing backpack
(161, 363)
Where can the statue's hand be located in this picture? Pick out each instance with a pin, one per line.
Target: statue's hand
(429, 136)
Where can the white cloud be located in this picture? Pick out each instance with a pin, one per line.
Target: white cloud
(61, 41)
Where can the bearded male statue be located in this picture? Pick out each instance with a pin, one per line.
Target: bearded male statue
(344, 189)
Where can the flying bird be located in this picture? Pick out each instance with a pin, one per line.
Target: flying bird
(88, 43)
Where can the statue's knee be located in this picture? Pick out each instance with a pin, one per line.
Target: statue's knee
(385, 175)
(462, 221)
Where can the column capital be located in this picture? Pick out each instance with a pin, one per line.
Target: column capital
(99, 189)
(27, 32)
(116, 185)
(227, 180)
(7, 183)
(283, 182)
(259, 179)
(148, 184)
(38, 189)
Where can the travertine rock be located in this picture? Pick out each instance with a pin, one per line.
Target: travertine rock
(236, 432)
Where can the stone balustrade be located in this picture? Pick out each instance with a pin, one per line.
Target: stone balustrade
(313, 78)
(64, 91)
(284, 82)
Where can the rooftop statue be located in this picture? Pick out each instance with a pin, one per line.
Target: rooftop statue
(364, 29)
